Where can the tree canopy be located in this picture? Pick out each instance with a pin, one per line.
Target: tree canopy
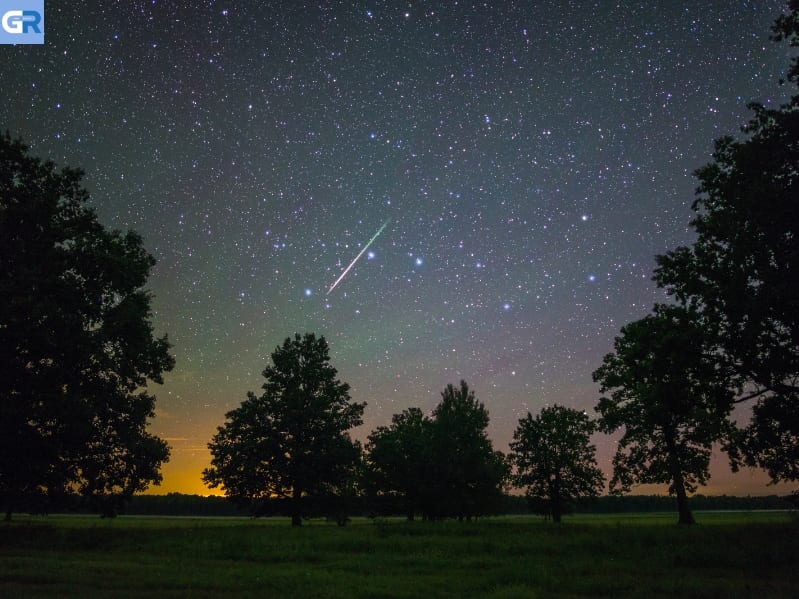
(76, 343)
(398, 463)
(741, 275)
(442, 466)
(291, 441)
(468, 475)
(554, 459)
(670, 398)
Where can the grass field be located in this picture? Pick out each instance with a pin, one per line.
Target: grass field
(751, 554)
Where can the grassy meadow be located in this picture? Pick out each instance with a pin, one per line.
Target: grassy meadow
(747, 554)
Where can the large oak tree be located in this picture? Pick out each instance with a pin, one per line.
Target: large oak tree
(741, 275)
(291, 441)
(76, 343)
(668, 395)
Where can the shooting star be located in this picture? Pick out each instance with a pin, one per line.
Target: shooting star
(366, 247)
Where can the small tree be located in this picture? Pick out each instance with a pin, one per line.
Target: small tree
(76, 343)
(670, 396)
(467, 475)
(554, 459)
(292, 441)
(398, 460)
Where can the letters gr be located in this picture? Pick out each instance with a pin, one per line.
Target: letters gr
(22, 21)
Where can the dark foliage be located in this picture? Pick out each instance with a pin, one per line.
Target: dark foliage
(555, 461)
(441, 467)
(292, 441)
(467, 474)
(76, 343)
(179, 504)
(398, 464)
(670, 398)
(741, 274)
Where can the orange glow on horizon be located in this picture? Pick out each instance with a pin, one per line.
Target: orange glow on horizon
(182, 474)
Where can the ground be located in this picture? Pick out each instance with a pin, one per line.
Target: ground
(726, 555)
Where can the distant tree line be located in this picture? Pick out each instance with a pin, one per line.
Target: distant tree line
(180, 504)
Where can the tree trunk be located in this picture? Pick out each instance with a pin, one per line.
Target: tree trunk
(686, 516)
(554, 500)
(554, 509)
(8, 514)
(683, 509)
(556, 515)
(296, 507)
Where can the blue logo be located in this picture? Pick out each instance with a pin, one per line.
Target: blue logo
(22, 22)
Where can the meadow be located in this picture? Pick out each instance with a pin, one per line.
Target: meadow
(742, 554)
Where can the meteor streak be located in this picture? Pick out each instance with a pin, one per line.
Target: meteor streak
(366, 247)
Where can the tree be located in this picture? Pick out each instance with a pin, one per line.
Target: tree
(554, 459)
(398, 462)
(671, 398)
(467, 475)
(292, 441)
(741, 274)
(76, 342)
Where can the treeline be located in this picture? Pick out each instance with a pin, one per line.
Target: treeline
(612, 504)
(180, 504)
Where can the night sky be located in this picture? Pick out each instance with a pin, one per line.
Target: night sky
(531, 159)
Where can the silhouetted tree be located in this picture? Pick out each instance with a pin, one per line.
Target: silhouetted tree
(398, 461)
(741, 273)
(342, 497)
(467, 476)
(76, 343)
(670, 397)
(292, 441)
(554, 459)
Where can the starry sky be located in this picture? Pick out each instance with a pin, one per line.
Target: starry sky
(530, 158)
